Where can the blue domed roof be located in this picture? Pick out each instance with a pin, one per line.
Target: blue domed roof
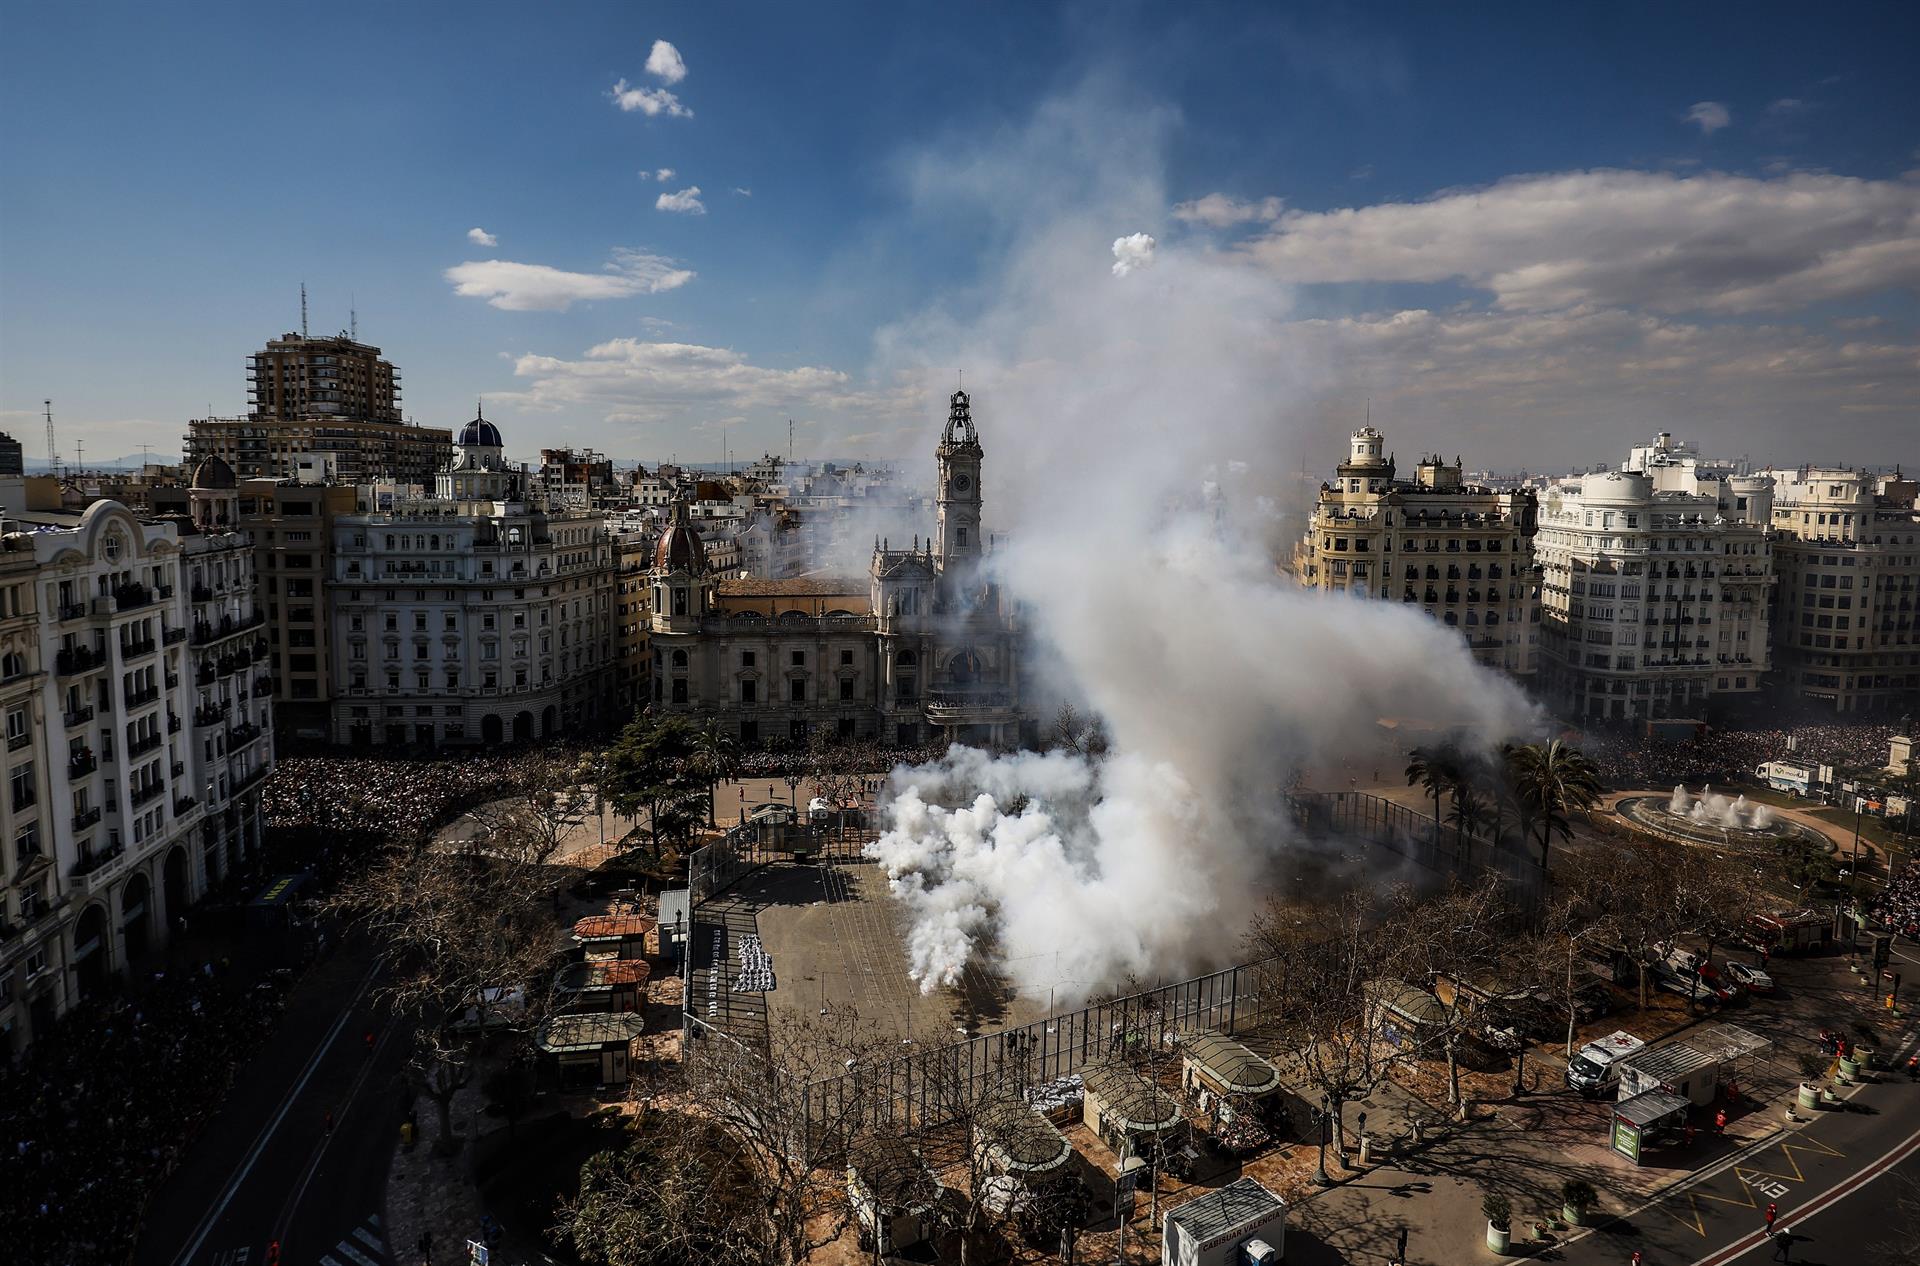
(479, 433)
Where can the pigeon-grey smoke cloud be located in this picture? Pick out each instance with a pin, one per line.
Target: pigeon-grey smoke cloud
(1138, 430)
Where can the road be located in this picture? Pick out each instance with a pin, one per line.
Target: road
(268, 1168)
(1837, 1184)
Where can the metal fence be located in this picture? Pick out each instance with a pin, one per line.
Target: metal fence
(923, 1089)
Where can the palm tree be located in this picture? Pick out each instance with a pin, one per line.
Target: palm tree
(1468, 811)
(717, 758)
(1439, 770)
(1553, 779)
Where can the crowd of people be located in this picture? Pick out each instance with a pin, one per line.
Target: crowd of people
(383, 798)
(1726, 755)
(99, 1110)
(1898, 904)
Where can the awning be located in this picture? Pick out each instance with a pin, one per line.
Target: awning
(567, 1034)
(1651, 1106)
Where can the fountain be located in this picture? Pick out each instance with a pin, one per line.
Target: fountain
(1713, 818)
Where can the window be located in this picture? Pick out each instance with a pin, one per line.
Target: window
(749, 691)
(846, 659)
(25, 790)
(746, 659)
(799, 659)
(797, 690)
(19, 727)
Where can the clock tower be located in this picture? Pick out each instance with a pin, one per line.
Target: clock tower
(959, 454)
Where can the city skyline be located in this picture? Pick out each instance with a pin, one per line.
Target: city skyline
(1528, 239)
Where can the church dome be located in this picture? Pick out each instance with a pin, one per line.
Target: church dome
(213, 473)
(680, 548)
(479, 433)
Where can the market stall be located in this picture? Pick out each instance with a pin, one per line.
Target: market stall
(1130, 1114)
(1239, 1094)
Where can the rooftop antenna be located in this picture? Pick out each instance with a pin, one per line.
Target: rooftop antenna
(789, 441)
(303, 309)
(80, 457)
(53, 453)
(353, 319)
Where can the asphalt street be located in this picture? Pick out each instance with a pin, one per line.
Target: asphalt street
(299, 1154)
(1837, 1185)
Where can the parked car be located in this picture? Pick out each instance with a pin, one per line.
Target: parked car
(1750, 977)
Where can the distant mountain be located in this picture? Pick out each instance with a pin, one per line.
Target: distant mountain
(131, 461)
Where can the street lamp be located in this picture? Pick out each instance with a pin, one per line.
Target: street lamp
(1520, 1068)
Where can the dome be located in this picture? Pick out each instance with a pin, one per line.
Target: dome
(479, 433)
(680, 548)
(214, 473)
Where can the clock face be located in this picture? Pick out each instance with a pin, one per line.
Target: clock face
(962, 483)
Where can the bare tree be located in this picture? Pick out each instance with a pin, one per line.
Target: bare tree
(1321, 962)
(463, 926)
(1463, 935)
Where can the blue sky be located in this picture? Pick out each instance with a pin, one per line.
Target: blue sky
(1529, 233)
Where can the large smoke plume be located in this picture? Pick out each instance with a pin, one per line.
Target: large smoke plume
(1141, 427)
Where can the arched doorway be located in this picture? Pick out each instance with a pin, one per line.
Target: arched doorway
(522, 727)
(92, 955)
(547, 721)
(174, 883)
(966, 667)
(136, 919)
(490, 730)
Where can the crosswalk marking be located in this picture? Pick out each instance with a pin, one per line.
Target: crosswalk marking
(373, 1220)
(327, 1261)
(370, 1240)
(359, 1257)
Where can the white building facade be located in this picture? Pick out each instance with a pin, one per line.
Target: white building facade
(1847, 624)
(128, 798)
(1655, 590)
(472, 618)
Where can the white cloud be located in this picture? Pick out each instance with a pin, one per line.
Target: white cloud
(648, 101)
(664, 63)
(480, 237)
(743, 191)
(539, 288)
(686, 202)
(1708, 243)
(1786, 106)
(679, 385)
(1219, 210)
(1709, 116)
(664, 174)
(1132, 253)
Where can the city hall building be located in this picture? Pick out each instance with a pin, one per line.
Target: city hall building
(933, 656)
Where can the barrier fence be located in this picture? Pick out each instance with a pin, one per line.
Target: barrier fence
(927, 1088)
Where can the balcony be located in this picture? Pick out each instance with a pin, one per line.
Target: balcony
(17, 741)
(172, 680)
(248, 780)
(263, 684)
(73, 610)
(131, 597)
(78, 659)
(173, 636)
(133, 650)
(205, 633)
(146, 795)
(97, 870)
(240, 735)
(141, 698)
(949, 706)
(200, 593)
(211, 714)
(82, 765)
(85, 818)
(141, 746)
(184, 805)
(178, 767)
(173, 723)
(79, 716)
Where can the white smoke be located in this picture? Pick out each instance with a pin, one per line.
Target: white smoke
(1140, 426)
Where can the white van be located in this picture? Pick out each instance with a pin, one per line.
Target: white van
(1595, 1068)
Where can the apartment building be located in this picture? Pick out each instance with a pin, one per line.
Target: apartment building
(127, 798)
(1847, 613)
(1655, 589)
(474, 616)
(1460, 552)
(291, 526)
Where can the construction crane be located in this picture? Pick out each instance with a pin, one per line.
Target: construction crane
(53, 454)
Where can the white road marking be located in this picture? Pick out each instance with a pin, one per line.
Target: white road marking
(327, 1261)
(354, 1253)
(370, 1240)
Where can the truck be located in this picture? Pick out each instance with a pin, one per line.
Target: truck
(1595, 1068)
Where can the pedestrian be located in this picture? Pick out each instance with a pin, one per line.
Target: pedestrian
(369, 1041)
(426, 1248)
(1783, 1245)
(1773, 1211)
(1913, 1068)
(1637, 1258)
(1720, 1121)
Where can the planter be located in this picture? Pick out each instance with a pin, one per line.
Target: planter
(1499, 1239)
(1809, 1096)
(1849, 1068)
(1574, 1214)
(1863, 1056)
